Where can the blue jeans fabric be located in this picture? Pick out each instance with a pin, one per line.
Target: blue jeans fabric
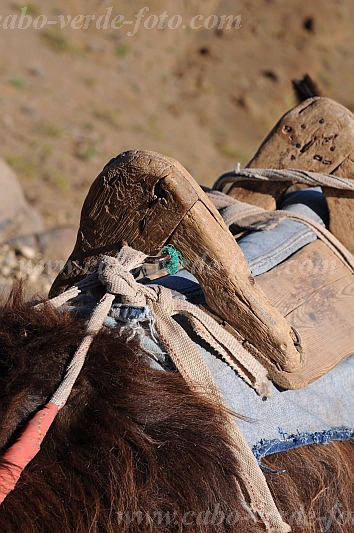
(285, 441)
(319, 413)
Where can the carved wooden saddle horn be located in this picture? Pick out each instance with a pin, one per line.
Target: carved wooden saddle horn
(150, 200)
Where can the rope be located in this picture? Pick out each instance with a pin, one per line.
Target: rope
(295, 176)
(115, 274)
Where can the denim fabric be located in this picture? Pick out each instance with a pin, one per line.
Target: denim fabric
(264, 250)
(129, 312)
(285, 239)
(303, 415)
(286, 442)
(321, 412)
(185, 283)
(312, 198)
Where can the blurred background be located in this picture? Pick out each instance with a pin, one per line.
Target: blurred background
(71, 99)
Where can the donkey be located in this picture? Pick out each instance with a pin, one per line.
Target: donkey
(135, 449)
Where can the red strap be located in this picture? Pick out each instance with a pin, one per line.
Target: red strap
(26, 448)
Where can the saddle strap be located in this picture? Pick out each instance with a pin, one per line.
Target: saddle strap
(312, 179)
(250, 217)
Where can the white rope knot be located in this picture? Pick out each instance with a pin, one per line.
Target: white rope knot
(114, 274)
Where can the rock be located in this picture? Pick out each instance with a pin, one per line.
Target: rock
(17, 217)
(35, 259)
(18, 243)
(10, 259)
(35, 274)
(6, 271)
(27, 252)
(50, 249)
(57, 244)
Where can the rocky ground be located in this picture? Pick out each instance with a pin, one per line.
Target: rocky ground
(72, 99)
(28, 251)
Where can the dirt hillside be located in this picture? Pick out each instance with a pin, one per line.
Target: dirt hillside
(73, 98)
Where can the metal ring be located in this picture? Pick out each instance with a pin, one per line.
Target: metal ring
(157, 260)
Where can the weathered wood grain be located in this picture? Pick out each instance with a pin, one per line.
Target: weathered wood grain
(148, 200)
(229, 288)
(315, 292)
(137, 198)
(318, 136)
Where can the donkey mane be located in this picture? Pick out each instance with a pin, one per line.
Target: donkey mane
(135, 449)
(131, 439)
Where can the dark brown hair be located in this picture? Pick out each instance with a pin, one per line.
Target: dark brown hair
(135, 449)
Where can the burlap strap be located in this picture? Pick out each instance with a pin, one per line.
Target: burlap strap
(114, 274)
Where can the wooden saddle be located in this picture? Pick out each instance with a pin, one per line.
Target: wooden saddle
(298, 328)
